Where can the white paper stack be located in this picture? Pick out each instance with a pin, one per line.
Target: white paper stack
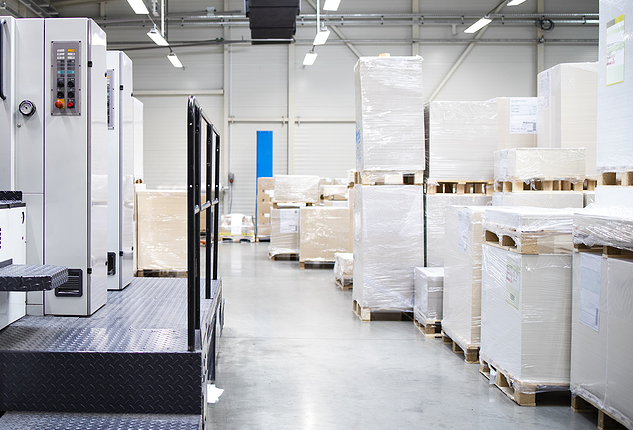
(429, 287)
(540, 199)
(517, 117)
(344, 267)
(525, 164)
(296, 188)
(284, 231)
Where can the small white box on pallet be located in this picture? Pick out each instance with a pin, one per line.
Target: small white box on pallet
(344, 268)
(429, 292)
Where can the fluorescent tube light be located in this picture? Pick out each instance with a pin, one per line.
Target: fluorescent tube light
(592, 21)
(310, 58)
(138, 6)
(478, 25)
(157, 37)
(515, 2)
(333, 4)
(174, 59)
(321, 37)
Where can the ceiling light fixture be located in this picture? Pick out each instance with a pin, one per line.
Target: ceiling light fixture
(158, 38)
(321, 37)
(139, 7)
(332, 5)
(175, 61)
(515, 2)
(310, 58)
(478, 25)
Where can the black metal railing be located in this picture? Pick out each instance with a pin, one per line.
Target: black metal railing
(196, 122)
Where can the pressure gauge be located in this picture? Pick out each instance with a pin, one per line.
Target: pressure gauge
(27, 108)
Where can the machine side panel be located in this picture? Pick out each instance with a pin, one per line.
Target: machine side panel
(114, 166)
(127, 166)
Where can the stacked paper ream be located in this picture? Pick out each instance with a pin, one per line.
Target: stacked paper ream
(525, 164)
(343, 266)
(296, 188)
(429, 286)
(462, 275)
(615, 88)
(237, 227)
(388, 244)
(389, 114)
(162, 230)
(265, 192)
(614, 196)
(435, 207)
(541, 199)
(517, 122)
(463, 139)
(567, 110)
(324, 232)
(284, 231)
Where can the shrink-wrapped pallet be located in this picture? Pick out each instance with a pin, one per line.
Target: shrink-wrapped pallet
(526, 164)
(435, 208)
(540, 199)
(461, 319)
(324, 231)
(236, 227)
(388, 244)
(604, 226)
(284, 231)
(265, 192)
(463, 139)
(389, 114)
(516, 122)
(567, 110)
(296, 188)
(429, 291)
(333, 192)
(344, 267)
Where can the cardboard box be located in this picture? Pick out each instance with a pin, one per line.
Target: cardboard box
(324, 231)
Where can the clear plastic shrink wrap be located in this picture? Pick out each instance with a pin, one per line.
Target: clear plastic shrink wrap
(389, 114)
(540, 199)
(388, 244)
(162, 229)
(526, 164)
(324, 231)
(463, 139)
(284, 231)
(265, 193)
(461, 319)
(296, 188)
(429, 291)
(344, 267)
(589, 197)
(435, 207)
(604, 226)
(236, 227)
(333, 192)
(567, 109)
(615, 87)
(526, 318)
(517, 122)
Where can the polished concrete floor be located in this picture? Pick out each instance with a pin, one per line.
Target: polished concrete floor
(295, 356)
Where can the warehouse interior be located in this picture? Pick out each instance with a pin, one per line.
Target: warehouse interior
(235, 214)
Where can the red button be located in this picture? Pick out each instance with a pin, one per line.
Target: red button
(59, 104)
(70, 105)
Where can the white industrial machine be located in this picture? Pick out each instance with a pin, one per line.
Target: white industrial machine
(12, 250)
(121, 171)
(53, 148)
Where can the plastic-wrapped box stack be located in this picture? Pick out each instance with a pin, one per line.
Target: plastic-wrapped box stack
(296, 189)
(567, 109)
(517, 118)
(526, 299)
(284, 232)
(389, 117)
(324, 231)
(334, 195)
(602, 320)
(265, 193)
(236, 228)
(461, 321)
(429, 291)
(388, 245)
(162, 230)
(344, 269)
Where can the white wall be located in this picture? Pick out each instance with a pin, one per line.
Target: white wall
(258, 90)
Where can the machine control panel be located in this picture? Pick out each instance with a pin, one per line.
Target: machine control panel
(66, 79)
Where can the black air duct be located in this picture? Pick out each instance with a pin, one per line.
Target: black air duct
(272, 21)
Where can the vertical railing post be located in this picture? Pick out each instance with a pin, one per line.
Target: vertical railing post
(216, 207)
(191, 299)
(197, 179)
(209, 177)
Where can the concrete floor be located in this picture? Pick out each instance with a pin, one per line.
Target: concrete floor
(295, 356)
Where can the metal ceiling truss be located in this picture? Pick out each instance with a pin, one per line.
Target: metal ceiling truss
(41, 8)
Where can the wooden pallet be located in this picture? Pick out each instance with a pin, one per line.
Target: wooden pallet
(262, 239)
(159, 273)
(429, 328)
(284, 257)
(590, 184)
(316, 264)
(605, 421)
(461, 187)
(606, 251)
(610, 178)
(372, 314)
(415, 177)
(345, 284)
(506, 385)
(298, 205)
(539, 185)
(530, 244)
(230, 239)
(471, 355)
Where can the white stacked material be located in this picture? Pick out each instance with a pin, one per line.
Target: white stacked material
(237, 227)
(284, 231)
(600, 226)
(461, 319)
(540, 199)
(517, 118)
(388, 244)
(567, 110)
(334, 192)
(296, 188)
(389, 114)
(615, 88)
(324, 231)
(527, 164)
(435, 207)
(463, 139)
(344, 267)
(429, 291)
(589, 197)
(614, 196)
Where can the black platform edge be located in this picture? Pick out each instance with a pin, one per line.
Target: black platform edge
(10, 196)
(22, 277)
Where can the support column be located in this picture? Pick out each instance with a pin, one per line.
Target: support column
(291, 109)
(225, 143)
(415, 30)
(540, 47)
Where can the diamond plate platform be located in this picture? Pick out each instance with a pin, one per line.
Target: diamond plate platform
(59, 421)
(130, 357)
(22, 277)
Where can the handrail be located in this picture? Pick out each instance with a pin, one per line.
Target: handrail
(2, 23)
(196, 119)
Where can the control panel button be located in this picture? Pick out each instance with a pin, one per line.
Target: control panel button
(71, 83)
(71, 104)
(59, 104)
(60, 94)
(60, 83)
(71, 94)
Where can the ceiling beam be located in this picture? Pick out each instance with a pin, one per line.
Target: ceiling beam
(71, 3)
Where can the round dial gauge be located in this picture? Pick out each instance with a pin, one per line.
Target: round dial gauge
(27, 108)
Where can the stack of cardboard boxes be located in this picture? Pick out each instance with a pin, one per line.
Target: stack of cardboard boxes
(265, 193)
